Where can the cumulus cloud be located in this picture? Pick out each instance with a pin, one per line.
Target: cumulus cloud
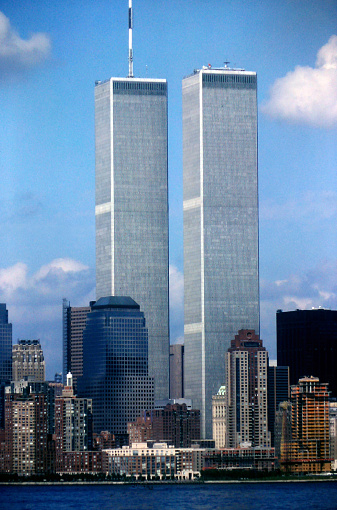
(317, 287)
(17, 54)
(176, 305)
(308, 95)
(34, 301)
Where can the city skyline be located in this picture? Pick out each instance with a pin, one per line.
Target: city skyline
(48, 70)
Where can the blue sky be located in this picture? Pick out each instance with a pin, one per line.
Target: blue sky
(50, 56)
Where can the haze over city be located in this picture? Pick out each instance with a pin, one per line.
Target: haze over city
(50, 57)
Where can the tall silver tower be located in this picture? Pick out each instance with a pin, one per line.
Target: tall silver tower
(221, 268)
(132, 204)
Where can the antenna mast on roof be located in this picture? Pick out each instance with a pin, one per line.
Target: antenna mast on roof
(130, 40)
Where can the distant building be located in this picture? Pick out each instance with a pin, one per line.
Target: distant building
(246, 386)
(115, 364)
(173, 424)
(5, 358)
(28, 361)
(140, 431)
(219, 417)
(307, 343)
(278, 391)
(221, 266)
(74, 321)
(308, 450)
(176, 371)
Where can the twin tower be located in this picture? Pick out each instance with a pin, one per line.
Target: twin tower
(221, 267)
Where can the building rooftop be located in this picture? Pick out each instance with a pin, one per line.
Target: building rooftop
(115, 302)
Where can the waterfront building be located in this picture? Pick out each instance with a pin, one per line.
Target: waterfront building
(246, 386)
(153, 461)
(74, 320)
(176, 371)
(132, 206)
(221, 268)
(219, 417)
(28, 361)
(27, 435)
(246, 457)
(115, 364)
(307, 449)
(307, 343)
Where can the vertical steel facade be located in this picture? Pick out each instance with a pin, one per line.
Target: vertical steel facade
(132, 206)
(220, 225)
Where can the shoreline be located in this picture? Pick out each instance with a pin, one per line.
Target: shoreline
(168, 482)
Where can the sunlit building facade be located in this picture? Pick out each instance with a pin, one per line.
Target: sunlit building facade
(132, 206)
(221, 269)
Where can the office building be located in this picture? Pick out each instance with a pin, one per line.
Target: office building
(278, 391)
(73, 320)
(246, 386)
(176, 371)
(115, 364)
(132, 206)
(308, 450)
(28, 361)
(221, 268)
(333, 431)
(307, 343)
(219, 417)
(5, 358)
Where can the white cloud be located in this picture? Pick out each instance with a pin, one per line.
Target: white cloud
(308, 95)
(17, 54)
(317, 287)
(34, 301)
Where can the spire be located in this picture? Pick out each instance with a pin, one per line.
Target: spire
(130, 40)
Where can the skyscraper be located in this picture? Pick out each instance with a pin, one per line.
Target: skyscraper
(74, 320)
(307, 343)
(246, 388)
(132, 206)
(115, 364)
(221, 270)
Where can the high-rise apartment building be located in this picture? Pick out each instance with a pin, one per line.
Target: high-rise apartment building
(307, 343)
(73, 423)
(28, 438)
(246, 387)
(74, 320)
(28, 361)
(115, 364)
(132, 206)
(221, 268)
(5, 358)
(308, 448)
